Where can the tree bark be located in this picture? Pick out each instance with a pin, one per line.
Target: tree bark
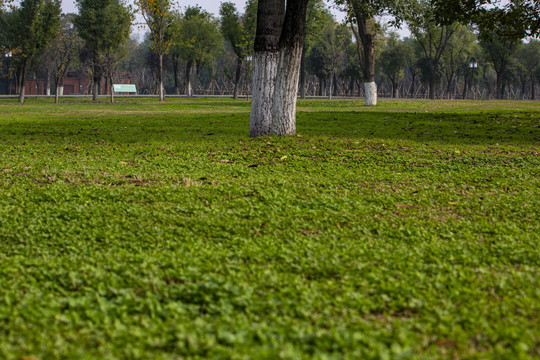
(265, 64)
(175, 70)
(237, 77)
(286, 92)
(286, 89)
(366, 53)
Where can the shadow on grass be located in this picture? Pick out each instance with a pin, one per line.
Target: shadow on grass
(520, 128)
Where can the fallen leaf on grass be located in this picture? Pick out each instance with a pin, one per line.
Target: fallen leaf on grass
(452, 203)
(224, 161)
(283, 157)
(6, 170)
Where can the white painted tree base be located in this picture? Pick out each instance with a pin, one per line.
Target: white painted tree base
(370, 88)
(265, 66)
(286, 91)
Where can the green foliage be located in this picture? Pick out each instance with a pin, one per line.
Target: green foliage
(104, 25)
(140, 230)
(200, 40)
(393, 60)
(159, 18)
(36, 25)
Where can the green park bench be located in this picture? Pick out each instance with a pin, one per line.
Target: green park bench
(125, 88)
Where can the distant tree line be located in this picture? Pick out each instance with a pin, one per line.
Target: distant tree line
(456, 50)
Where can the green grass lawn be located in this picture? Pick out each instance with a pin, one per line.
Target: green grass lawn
(142, 230)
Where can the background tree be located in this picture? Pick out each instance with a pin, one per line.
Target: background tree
(433, 40)
(318, 15)
(393, 62)
(529, 58)
(198, 42)
(498, 50)
(104, 25)
(36, 26)
(239, 32)
(158, 17)
(63, 50)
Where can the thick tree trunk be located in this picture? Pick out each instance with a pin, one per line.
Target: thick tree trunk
(265, 63)
(161, 89)
(237, 77)
(370, 89)
(291, 44)
(367, 33)
(265, 67)
(22, 87)
(286, 91)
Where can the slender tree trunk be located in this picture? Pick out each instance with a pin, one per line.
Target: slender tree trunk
(112, 88)
(237, 77)
(57, 86)
(22, 87)
(265, 64)
(331, 86)
(303, 73)
(500, 91)
(189, 89)
(533, 95)
(48, 84)
(175, 70)
(161, 89)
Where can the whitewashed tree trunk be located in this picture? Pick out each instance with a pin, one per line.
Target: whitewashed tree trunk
(286, 91)
(265, 67)
(370, 89)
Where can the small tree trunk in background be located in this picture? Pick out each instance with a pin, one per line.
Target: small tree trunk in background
(286, 88)
(57, 86)
(189, 90)
(22, 87)
(237, 77)
(175, 70)
(95, 92)
(331, 87)
(161, 89)
(48, 84)
(112, 89)
(533, 95)
(303, 73)
(265, 64)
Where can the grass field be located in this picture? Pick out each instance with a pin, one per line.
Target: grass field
(142, 230)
